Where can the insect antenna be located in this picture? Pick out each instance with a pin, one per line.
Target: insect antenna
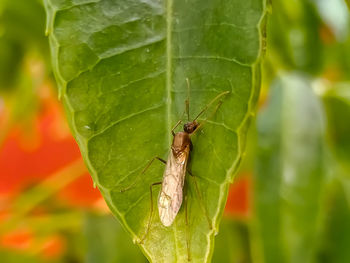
(210, 103)
(188, 100)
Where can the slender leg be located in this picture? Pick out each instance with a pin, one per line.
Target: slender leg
(151, 195)
(151, 212)
(188, 234)
(205, 211)
(187, 108)
(203, 122)
(187, 101)
(177, 124)
(210, 103)
(143, 171)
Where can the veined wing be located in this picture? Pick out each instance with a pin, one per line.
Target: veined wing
(170, 198)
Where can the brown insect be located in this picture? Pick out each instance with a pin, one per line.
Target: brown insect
(171, 194)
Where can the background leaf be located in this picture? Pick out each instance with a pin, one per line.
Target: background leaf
(336, 100)
(21, 30)
(337, 105)
(121, 69)
(290, 174)
(293, 36)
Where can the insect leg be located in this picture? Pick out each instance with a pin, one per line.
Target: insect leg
(211, 102)
(203, 122)
(151, 212)
(204, 209)
(187, 101)
(187, 108)
(188, 237)
(143, 171)
(177, 124)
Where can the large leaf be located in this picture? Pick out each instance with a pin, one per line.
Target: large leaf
(106, 242)
(290, 172)
(122, 68)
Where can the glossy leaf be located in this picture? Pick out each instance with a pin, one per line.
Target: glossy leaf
(122, 68)
(290, 172)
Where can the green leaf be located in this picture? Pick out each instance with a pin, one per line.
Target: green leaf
(290, 173)
(294, 40)
(337, 105)
(122, 68)
(21, 30)
(107, 242)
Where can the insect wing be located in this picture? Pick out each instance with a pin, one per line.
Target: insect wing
(170, 198)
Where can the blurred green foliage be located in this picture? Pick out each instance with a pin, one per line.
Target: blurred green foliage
(21, 32)
(106, 241)
(232, 243)
(290, 171)
(22, 45)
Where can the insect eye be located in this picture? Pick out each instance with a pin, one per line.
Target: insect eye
(188, 127)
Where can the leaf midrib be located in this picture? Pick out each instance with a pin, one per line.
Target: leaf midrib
(169, 21)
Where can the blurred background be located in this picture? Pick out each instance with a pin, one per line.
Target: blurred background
(290, 201)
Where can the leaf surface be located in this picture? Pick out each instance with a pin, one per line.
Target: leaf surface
(122, 66)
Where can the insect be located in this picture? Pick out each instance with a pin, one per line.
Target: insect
(171, 193)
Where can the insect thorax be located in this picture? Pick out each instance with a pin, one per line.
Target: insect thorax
(180, 142)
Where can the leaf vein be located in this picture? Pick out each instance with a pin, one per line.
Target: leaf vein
(112, 52)
(134, 204)
(126, 118)
(149, 76)
(214, 25)
(215, 57)
(223, 125)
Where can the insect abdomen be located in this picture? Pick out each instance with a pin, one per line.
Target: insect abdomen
(170, 198)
